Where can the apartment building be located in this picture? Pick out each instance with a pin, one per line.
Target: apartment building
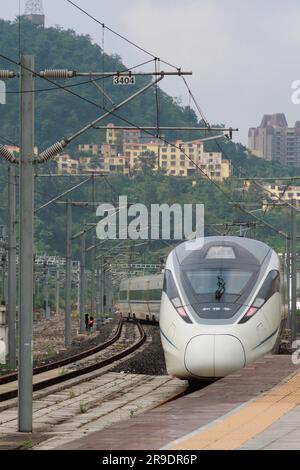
(273, 140)
(123, 147)
(179, 159)
(90, 149)
(71, 166)
(284, 192)
(126, 136)
(215, 166)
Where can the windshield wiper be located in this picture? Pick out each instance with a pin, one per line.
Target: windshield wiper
(221, 288)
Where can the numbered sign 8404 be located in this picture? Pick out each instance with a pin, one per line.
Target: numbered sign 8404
(123, 80)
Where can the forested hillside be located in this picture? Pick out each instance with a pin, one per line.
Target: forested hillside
(59, 113)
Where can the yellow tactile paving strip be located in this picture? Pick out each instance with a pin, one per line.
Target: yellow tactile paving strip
(247, 422)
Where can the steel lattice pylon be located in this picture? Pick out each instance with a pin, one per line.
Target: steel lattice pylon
(34, 7)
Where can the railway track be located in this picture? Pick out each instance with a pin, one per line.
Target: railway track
(8, 383)
(75, 357)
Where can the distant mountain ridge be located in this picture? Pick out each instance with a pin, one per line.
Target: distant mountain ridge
(59, 113)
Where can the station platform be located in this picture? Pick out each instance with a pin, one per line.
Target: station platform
(255, 408)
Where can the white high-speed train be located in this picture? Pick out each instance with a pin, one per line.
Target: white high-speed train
(220, 307)
(139, 297)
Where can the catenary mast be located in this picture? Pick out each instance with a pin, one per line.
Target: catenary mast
(34, 12)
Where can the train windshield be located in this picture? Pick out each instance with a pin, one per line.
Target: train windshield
(216, 292)
(218, 282)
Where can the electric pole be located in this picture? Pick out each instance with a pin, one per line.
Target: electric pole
(288, 279)
(57, 294)
(12, 268)
(68, 309)
(26, 244)
(26, 196)
(98, 292)
(34, 12)
(293, 275)
(93, 267)
(82, 283)
(46, 291)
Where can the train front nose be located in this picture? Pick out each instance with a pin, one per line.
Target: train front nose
(214, 355)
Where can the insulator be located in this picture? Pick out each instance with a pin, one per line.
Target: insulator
(7, 155)
(57, 74)
(6, 74)
(52, 151)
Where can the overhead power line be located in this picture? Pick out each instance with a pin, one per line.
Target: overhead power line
(86, 82)
(280, 198)
(120, 35)
(155, 58)
(58, 146)
(228, 197)
(8, 141)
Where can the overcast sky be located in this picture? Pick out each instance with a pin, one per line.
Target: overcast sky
(244, 55)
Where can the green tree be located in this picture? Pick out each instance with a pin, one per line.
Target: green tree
(146, 163)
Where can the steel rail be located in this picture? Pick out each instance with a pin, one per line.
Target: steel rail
(76, 357)
(85, 370)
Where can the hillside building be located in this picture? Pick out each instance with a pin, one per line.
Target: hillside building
(172, 159)
(284, 192)
(273, 140)
(123, 148)
(71, 166)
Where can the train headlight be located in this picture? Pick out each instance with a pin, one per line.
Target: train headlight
(249, 314)
(269, 287)
(171, 290)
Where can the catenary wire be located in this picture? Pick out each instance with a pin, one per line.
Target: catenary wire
(120, 35)
(8, 141)
(74, 85)
(132, 124)
(227, 196)
(222, 150)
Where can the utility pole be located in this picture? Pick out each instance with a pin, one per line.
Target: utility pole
(26, 244)
(57, 296)
(5, 295)
(288, 279)
(82, 283)
(94, 251)
(109, 291)
(294, 275)
(12, 267)
(3, 266)
(98, 292)
(46, 291)
(78, 288)
(26, 197)
(68, 309)
(102, 288)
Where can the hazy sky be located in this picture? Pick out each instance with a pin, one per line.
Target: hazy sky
(244, 54)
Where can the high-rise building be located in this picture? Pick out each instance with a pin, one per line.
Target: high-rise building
(273, 140)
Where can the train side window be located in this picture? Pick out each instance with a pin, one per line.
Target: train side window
(123, 295)
(154, 294)
(270, 285)
(138, 295)
(169, 286)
